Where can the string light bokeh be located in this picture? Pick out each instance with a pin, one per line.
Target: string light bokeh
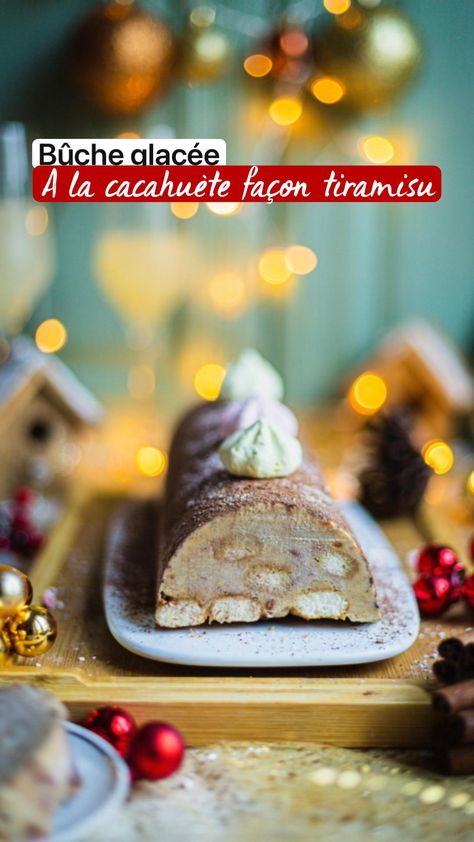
(258, 65)
(284, 111)
(273, 266)
(151, 461)
(223, 208)
(337, 7)
(439, 456)
(368, 393)
(301, 260)
(377, 149)
(327, 90)
(470, 483)
(208, 381)
(184, 210)
(51, 336)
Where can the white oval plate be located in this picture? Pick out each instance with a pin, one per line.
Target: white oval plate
(278, 643)
(104, 786)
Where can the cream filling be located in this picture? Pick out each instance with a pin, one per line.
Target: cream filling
(281, 563)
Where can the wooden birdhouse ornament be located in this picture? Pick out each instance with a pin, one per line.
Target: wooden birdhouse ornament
(424, 372)
(46, 416)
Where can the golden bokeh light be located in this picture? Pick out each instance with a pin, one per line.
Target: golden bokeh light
(223, 208)
(470, 483)
(300, 259)
(337, 7)
(208, 381)
(378, 149)
(258, 65)
(227, 293)
(438, 455)
(141, 382)
(368, 393)
(51, 336)
(273, 267)
(36, 221)
(128, 136)
(327, 90)
(184, 210)
(151, 461)
(285, 111)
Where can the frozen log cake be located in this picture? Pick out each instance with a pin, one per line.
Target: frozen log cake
(239, 548)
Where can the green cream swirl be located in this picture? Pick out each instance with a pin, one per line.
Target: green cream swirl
(261, 451)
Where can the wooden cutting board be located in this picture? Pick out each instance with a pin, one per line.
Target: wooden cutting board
(382, 704)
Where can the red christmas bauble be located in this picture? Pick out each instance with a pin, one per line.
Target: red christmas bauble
(433, 594)
(436, 558)
(24, 495)
(471, 548)
(113, 724)
(468, 590)
(156, 751)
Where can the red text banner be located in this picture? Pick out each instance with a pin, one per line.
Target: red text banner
(237, 184)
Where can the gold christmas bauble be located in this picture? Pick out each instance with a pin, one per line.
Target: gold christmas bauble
(15, 591)
(373, 53)
(5, 647)
(121, 58)
(32, 631)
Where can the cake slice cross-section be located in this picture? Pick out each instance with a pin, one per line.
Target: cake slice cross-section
(235, 549)
(36, 769)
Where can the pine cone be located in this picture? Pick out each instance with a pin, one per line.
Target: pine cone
(396, 477)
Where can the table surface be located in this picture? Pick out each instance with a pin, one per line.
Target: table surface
(299, 793)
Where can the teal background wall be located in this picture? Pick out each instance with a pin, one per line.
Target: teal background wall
(378, 264)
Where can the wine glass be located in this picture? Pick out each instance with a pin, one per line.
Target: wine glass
(27, 258)
(145, 264)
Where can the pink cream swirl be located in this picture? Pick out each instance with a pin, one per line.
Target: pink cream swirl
(238, 415)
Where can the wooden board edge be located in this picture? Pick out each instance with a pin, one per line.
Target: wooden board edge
(377, 713)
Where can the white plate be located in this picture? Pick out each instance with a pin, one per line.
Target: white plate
(104, 785)
(277, 643)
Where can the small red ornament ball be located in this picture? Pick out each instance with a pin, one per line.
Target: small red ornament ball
(24, 496)
(433, 594)
(156, 751)
(113, 724)
(437, 559)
